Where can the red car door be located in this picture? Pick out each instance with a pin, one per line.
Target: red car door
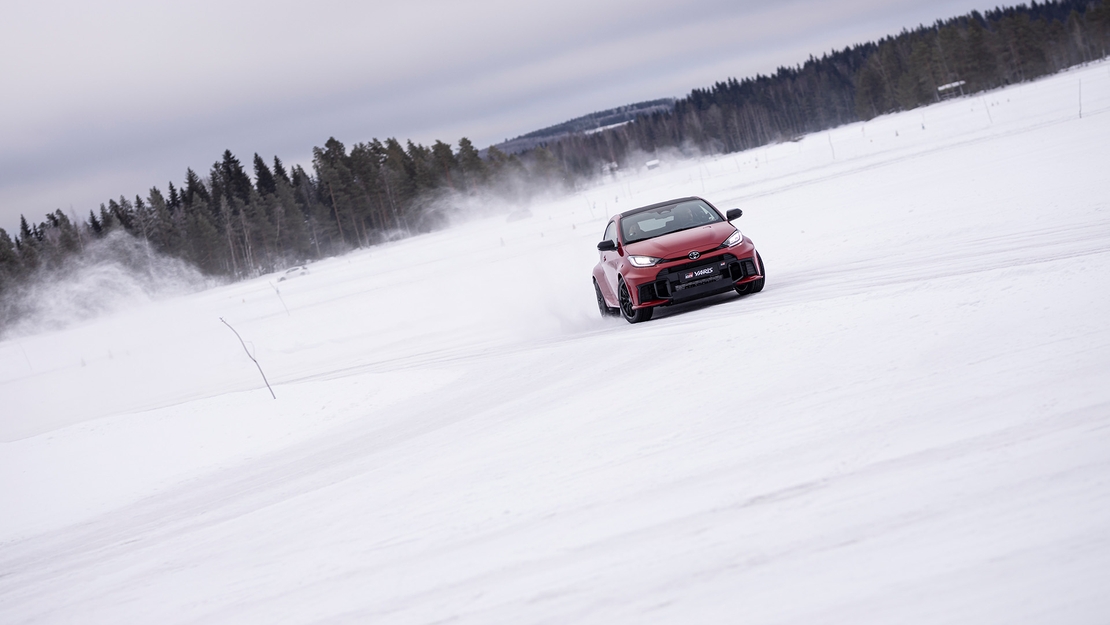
(609, 262)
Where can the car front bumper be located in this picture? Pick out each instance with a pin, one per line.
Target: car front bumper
(678, 282)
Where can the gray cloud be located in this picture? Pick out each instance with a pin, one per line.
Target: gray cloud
(116, 96)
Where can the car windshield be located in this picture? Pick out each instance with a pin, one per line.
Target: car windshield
(667, 219)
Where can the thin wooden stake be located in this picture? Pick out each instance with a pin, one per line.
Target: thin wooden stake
(251, 357)
(280, 298)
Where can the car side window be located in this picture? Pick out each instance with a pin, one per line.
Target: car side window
(611, 232)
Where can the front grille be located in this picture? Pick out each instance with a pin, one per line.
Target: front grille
(701, 262)
(668, 284)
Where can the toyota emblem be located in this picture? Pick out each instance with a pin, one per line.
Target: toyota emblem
(695, 255)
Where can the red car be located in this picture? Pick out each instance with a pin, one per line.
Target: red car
(672, 252)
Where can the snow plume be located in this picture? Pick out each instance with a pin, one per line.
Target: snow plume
(113, 273)
(637, 159)
(510, 193)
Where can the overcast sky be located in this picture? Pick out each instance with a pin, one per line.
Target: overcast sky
(115, 96)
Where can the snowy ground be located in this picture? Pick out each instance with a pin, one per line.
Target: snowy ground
(910, 424)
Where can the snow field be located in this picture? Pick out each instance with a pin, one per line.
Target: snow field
(908, 425)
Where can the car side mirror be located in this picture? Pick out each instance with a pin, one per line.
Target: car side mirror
(608, 245)
(733, 213)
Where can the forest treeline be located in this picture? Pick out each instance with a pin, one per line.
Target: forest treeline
(897, 73)
(242, 220)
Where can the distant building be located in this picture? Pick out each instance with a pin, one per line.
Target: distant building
(951, 90)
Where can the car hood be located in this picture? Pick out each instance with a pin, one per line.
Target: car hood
(683, 242)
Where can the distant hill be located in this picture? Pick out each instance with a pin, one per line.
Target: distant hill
(594, 121)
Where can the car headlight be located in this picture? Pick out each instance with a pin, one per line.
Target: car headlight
(643, 261)
(734, 239)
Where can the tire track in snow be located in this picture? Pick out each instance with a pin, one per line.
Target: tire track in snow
(1016, 249)
(882, 268)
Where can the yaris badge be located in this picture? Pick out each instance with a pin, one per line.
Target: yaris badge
(695, 255)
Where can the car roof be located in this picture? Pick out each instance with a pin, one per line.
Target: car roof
(659, 204)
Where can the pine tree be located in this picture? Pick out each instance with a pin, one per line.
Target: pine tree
(65, 238)
(25, 233)
(202, 239)
(424, 168)
(336, 187)
(173, 203)
(163, 231)
(304, 192)
(10, 266)
(124, 212)
(1100, 18)
(27, 243)
(981, 64)
(398, 173)
(108, 221)
(292, 237)
(471, 164)
(144, 219)
(917, 85)
(445, 162)
(236, 183)
(365, 165)
(545, 167)
(94, 225)
(194, 189)
(263, 178)
(279, 171)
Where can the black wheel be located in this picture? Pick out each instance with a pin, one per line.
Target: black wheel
(631, 315)
(606, 311)
(757, 285)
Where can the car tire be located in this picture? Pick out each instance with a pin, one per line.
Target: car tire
(757, 285)
(606, 310)
(630, 315)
